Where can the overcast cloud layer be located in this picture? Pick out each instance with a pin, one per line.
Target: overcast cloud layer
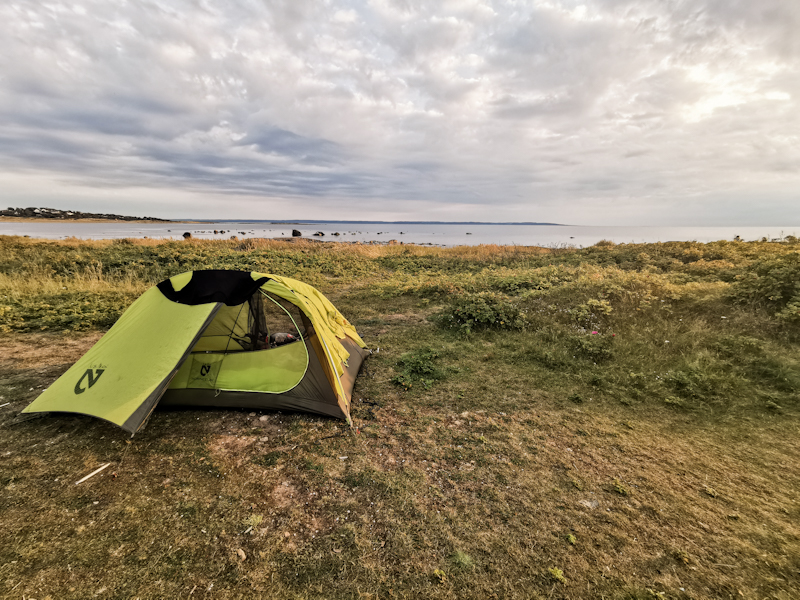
(605, 112)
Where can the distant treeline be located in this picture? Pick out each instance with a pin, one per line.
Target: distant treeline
(54, 213)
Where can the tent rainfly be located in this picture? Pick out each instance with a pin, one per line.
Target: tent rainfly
(216, 338)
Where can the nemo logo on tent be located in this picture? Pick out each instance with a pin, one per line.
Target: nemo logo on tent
(204, 370)
(92, 375)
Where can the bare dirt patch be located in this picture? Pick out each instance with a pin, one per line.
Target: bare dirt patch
(231, 449)
(285, 494)
(38, 350)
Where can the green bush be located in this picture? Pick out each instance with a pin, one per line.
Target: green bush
(551, 360)
(594, 347)
(738, 346)
(544, 279)
(484, 310)
(791, 313)
(418, 366)
(773, 283)
(589, 313)
(696, 382)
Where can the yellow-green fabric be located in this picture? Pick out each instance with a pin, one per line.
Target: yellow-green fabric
(273, 371)
(328, 322)
(179, 281)
(130, 362)
(220, 335)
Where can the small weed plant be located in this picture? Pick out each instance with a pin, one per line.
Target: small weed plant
(462, 560)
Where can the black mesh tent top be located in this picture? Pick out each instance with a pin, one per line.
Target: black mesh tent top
(231, 288)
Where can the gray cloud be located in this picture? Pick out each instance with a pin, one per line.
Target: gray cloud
(488, 110)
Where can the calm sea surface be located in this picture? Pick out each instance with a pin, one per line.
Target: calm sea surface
(413, 233)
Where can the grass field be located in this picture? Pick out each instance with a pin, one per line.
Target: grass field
(616, 422)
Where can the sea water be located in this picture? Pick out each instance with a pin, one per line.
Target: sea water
(438, 234)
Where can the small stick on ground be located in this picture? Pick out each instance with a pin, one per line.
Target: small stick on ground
(92, 474)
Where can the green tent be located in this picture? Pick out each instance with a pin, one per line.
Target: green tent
(216, 338)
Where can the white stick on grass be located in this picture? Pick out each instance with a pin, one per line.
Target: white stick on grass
(92, 474)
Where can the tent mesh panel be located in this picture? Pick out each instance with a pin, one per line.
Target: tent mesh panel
(256, 321)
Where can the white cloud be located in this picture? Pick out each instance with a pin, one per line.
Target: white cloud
(613, 110)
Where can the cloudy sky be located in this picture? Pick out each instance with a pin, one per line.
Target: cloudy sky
(628, 112)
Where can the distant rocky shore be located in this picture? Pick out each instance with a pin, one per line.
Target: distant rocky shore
(69, 215)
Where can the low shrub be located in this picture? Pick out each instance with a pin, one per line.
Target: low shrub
(772, 282)
(697, 383)
(595, 347)
(738, 346)
(791, 312)
(555, 361)
(589, 313)
(484, 310)
(418, 366)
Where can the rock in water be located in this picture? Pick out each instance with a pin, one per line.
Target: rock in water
(296, 233)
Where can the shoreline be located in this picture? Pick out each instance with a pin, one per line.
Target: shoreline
(444, 235)
(287, 240)
(40, 220)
